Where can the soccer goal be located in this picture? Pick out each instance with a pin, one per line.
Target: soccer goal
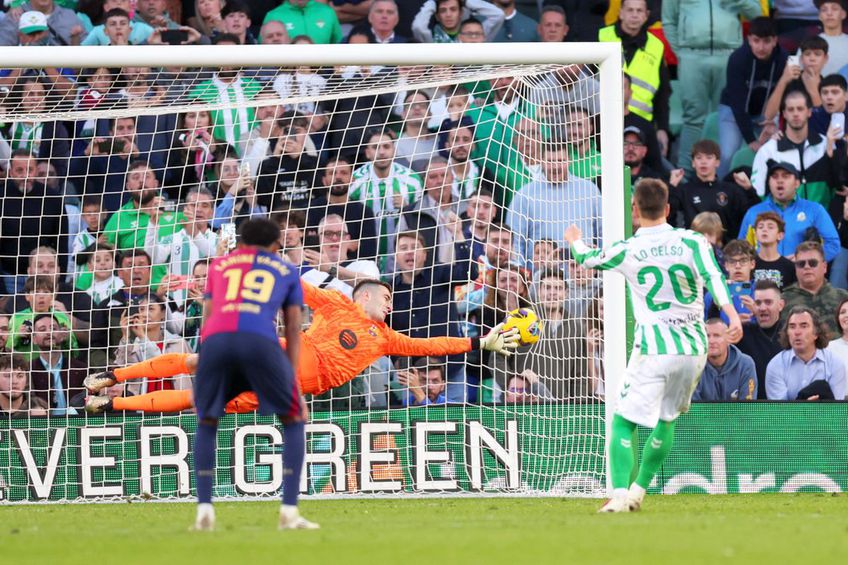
(449, 171)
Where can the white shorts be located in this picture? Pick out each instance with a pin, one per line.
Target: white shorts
(658, 387)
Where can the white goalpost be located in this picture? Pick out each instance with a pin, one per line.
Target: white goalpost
(127, 166)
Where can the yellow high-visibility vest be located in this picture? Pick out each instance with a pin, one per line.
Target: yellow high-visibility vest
(644, 72)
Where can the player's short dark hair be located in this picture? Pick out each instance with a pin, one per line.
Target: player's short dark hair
(369, 282)
(714, 320)
(651, 197)
(261, 232)
(706, 147)
(822, 333)
(766, 284)
(834, 79)
(763, 26)
(739, 247)
(814, 42)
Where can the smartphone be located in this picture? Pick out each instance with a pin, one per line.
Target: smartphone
(311, 241)
(183, 283)
(132, 310)
(174, 36)
(794, 60)
(104, 146)
(737, 291)
(837, 119)
(119, 145)
(228, 234)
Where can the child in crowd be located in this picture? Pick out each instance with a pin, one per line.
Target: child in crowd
(92, 220)
(769, 229)
(709, 225)
(105, 283)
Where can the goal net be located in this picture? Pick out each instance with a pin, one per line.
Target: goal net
(449, 172)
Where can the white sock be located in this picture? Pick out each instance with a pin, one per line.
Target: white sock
(205, 507)
(619, 493)
(636, 492)
(288, 509)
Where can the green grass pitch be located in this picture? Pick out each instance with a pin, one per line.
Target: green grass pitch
(685, 529)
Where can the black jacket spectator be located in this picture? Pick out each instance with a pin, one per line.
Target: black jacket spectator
(726, 199)
(28, 221)
(426, 307)
(286, 182)
(72, 373)
(749, 84)
(761, 344)
(358, 218)
(653, 159)
(55, 145)
(584, 17)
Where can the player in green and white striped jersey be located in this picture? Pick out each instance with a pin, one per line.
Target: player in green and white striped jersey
(385, 187)
(666, 269)
(191, 241)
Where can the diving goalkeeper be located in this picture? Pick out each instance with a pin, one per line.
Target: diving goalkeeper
(345, 337)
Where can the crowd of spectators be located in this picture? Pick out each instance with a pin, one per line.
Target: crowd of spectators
(457, 195)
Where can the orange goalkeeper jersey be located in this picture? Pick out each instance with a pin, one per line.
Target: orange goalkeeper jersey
(342, 341)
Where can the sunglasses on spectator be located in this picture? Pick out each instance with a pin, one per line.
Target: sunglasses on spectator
(803, 263)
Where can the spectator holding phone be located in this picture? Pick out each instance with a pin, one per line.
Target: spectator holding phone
(739, 263)
(190, 241)
(769, 230)
(833, 90)
(425, 382)
(144, 336)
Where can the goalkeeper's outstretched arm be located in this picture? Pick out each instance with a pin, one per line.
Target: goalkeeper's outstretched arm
(497, 340)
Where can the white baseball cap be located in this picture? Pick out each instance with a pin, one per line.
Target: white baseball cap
(32, 22)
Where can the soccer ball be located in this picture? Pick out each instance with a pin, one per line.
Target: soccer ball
(528, 324)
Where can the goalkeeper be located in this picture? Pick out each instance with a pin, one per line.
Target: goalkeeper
(345, 337)
(666, 269)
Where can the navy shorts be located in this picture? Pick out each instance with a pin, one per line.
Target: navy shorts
(232, 363)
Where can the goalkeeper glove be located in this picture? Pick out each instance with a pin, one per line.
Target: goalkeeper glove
(500, 341)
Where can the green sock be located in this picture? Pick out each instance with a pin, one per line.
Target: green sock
(622, 451)
(656, 450)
